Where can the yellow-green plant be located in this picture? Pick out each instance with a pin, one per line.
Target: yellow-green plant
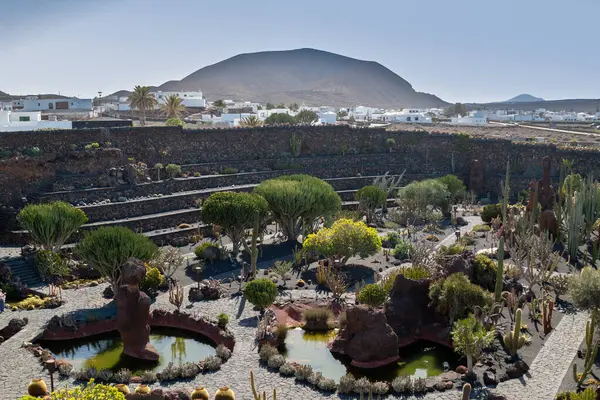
(91, 391)
(499, 272)
(590, 353)
(514, 340)
(322, 273)
(256, 394)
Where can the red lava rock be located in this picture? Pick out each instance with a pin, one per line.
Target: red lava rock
(461, 369)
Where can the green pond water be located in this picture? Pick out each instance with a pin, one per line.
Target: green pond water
(419, 360)
(106, 351)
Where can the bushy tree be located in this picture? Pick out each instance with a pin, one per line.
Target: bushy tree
(173, 170)
(297, 200)
(417, 197)
(369, 198)
(106, 249)
(343, 240)
(50, 225)
(455, 187)
(234, 212)
(280, 119)
(373, 295)
(585, 289)
(261, 292)
(306, 117)
(456, 296)
(470, 338)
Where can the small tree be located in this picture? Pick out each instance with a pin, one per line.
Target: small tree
(50, 225)
(373, 295)
(158, 167)
(250, 121)
(261, 293)
(456, 296)
(106, 249)
(280, 119)
(417, 197)
(390, 143)
(173, 170)
(306, 117)
(168, 260)
(455, 186)
(234, 212)
(299, 200)
(470, 338)
(281, 269)
(585, 289)
(343, 240)
(369, 198)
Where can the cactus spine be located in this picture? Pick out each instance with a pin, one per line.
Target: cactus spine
(499, 271)
(514, 340)
(255, 392)
(547, 308)
(466, 392)
(590, 353)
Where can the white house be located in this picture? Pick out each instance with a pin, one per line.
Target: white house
(190, 99)
(475, 120)
(327, 118)
(361, 113)
(11, 121)
(407, 115)
(33, 103)
(234, 119)
(264, 114)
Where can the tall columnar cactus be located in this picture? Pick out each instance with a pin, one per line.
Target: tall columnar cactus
(547, 308)
(466, 391)
(499, 271)
(506, 193)
(574, 220)
(256, 394)
(176, 295)
(514, 340)
(254, 244)
(590, 353)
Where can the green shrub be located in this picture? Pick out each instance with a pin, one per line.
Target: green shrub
(455, 186)
(92, 146)
(261, 292)
(229, 171)
(32, 152)
(391, 240)
(151, 281)
(585, 289)
(317, 314)
(174, 122)
(373, 295)
(452, 250)
(369, 199)
(91, 391)
(222, 320)
(207, 251)
(482, 228)
(456, 296)
(173, 170)
(402, 250)
(417, 197)
(466, 240)
(484, 272)
(415, 273)
(49, 264)
(490, 212)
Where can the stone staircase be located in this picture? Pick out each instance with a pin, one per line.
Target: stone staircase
(25, 270)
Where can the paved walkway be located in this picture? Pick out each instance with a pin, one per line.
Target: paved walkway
(18, 366)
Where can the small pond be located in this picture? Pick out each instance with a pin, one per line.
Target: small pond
(106, 351)
(420, 360)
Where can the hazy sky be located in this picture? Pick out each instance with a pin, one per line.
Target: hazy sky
(461, 50)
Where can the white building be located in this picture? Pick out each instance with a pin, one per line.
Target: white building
(407, 115)
(244, 105)
(190, 99)
(33, 103)
(11, 121)
(327, 118)
(264, 114)
(474, 120)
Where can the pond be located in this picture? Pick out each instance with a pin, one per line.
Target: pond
(419, 360)
(106, 351)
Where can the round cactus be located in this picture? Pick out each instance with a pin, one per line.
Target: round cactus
(200, 393)
(142, 389)
(122, 388)
(224, 393)
(37, 388)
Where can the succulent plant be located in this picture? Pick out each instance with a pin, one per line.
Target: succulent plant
(142, 389)
(212, 363)
(287, 369)
(223, 352)
(105, 375)
(266, 352)
(122, 376)
(346, 384)
(200, 393)
(149, 377)
(224, 393)
(122, 388)
(37, 388)
(276, 361)
(362, 385)
(303, 372)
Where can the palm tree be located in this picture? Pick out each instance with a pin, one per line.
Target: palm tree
(141, 99)
(250, 121)
(173, 107)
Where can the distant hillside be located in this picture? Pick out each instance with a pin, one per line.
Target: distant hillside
(580, 105)
(524, 98)
(5, 96)
(306, 75)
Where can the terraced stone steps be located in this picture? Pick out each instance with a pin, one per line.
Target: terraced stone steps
(25, 270)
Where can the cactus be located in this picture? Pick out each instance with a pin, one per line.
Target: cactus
(590, 353)
(122, 388)
(255, 392)
(388, 184)
(37, 388)
(499, 271)
(547, 308)
(514, 340)
(224, 393)
(254, 244)
(506, 193)
(295, 145)
(466, 391)
(176, 295)
(587, 394)
(142, 389)
(200, 393)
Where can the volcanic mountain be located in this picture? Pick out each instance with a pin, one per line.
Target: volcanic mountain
(309, 76)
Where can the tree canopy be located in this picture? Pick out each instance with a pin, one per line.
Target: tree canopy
(250, 121)
(297, 200)
(455, 186)
(173, 107)
(50, 225)
(234, 212)
(369, 198)
(470, 338)
(345, 239)
(306, 117)
(280, 119)
(142, 100)
(456, 109)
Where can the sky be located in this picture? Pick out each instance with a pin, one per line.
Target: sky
(461, 51)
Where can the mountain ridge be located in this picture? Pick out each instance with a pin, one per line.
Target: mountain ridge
(524, 98)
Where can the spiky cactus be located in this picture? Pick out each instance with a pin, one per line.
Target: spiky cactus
(256, 394)
(547, 308)
(176, 295)
(514, 340)
(466, 391)
(590, 353)
(499, 271)
(506, 193)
